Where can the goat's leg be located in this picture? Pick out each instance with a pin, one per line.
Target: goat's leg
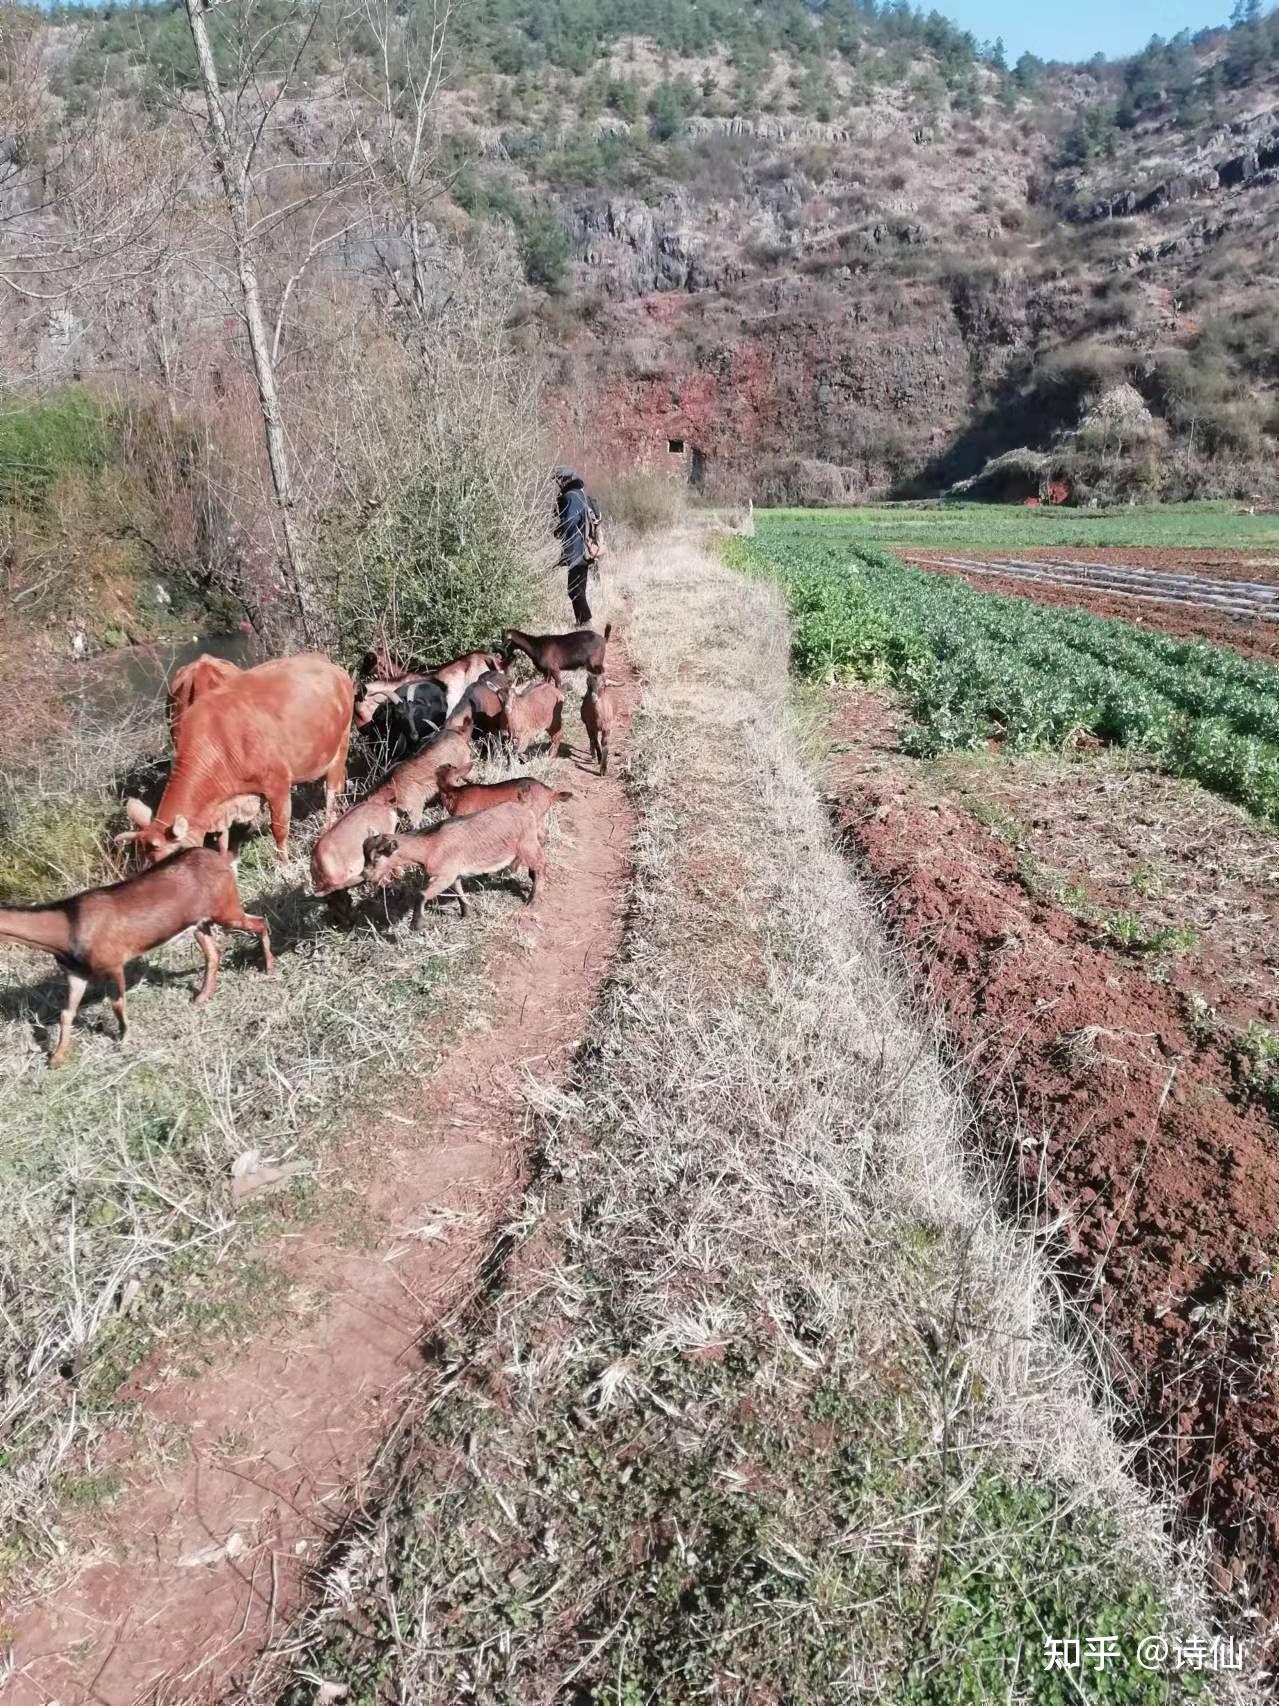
(340, 906)
(253, 925)
(212, 960)
(117, 1004)
(557, 729)
(224, 840)
(603, 754)
(76, 986)
(432, 891)
(533, 855)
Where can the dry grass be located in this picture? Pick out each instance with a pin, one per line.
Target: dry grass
(117, 1229)
(769, 1405)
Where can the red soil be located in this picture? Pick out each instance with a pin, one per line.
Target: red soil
(1167, 1186)
(281, 1428)
(1252, 639)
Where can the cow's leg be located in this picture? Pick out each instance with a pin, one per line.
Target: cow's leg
(280, 804)
(76, 986)
(335, 778)
(212, 960)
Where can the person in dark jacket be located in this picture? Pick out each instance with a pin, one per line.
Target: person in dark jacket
(572, 529)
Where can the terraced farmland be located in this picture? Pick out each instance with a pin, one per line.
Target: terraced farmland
(981, 668)
(1071, 823)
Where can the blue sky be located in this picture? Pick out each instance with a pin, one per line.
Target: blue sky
(1083, 27)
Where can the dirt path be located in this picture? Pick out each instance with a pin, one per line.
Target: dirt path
(1129, 1127)
(1190, 607)
(197, 1564)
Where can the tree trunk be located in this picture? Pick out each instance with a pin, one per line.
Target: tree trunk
(235, 189)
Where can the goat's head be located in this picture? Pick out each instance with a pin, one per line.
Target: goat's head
(156, 841)
(379, 858)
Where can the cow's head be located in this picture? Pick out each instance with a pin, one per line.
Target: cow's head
(156, 841)
(379, 855)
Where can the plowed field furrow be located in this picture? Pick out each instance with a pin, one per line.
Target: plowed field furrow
(1239, 599)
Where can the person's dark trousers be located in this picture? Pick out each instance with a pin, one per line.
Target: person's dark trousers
(577, 592)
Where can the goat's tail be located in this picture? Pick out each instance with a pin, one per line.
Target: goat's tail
(608, 629)
(561, 795)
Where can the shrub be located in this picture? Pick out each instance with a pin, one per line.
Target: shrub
(670, 105)
(448, 510)
(41, 441)
(641, 501)
(51, 844)
(545, 250)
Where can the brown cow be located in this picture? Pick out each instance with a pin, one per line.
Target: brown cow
(201, 675)
(260, 732)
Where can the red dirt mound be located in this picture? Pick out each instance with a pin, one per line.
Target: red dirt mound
(1167, 1186)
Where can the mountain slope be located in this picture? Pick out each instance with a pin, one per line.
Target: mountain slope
(813, 252)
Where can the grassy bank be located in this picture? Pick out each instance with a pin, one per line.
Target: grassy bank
(118, 1232)
(1013, 527)
(766, 1404)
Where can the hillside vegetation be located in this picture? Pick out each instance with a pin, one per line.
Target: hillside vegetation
(819, 252)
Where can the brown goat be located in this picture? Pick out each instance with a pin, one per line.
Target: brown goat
(459, 673)
(413, 783)
(534, 710)
(337, 859)
(460, 847)
(597, 716)
(96, 933)
(453, 677)
(486, 698)
(583, 648)
(463, 800)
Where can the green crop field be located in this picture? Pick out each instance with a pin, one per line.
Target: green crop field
(977, 667)
(1012, 527)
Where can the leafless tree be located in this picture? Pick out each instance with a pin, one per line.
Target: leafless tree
(398, 95)
(87, 206)
(242, 114)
